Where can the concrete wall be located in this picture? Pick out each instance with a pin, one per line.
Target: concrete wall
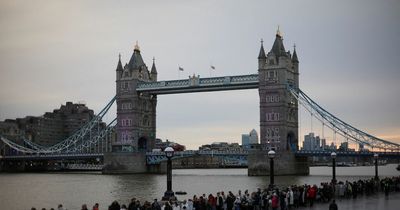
(12, 166)
(187, 163)
(125, 163)
(285, 163)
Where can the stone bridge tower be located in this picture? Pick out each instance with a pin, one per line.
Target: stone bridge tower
(136, 115)
(277, 70)
(278, 108)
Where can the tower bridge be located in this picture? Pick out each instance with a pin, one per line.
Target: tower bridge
(132, 134)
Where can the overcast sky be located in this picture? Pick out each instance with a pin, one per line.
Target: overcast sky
(349, 51)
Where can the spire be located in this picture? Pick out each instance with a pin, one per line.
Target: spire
(278, 32)
(137, 48)
(136, 60)
(153, 67)
(119, 66)
(262, 51)
(294, 57)
(278, 49)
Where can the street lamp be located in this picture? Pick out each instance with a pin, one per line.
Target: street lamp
(333, 155)
(271, 155)
(376, 166)
(169, 153)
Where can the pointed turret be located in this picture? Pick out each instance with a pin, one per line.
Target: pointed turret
(294, 57)
(261, 55)
(153, 73)
(278, 49)
(136, 60)
(153, 67)
(119, 66)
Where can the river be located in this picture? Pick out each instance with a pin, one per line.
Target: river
(23, 190)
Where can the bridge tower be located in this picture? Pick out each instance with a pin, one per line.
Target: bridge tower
(277, 70)
(136, 117)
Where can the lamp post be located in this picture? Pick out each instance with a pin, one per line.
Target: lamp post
(333, 155)
(376, 166)
(169, 153)
(271, 155)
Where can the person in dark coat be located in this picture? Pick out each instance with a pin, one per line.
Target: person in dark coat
(230, 200)
(333, 205)
(114, 206)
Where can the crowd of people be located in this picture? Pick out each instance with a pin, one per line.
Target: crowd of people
(274, 198)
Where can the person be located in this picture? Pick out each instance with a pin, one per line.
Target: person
(33, 208)
(96, 206)
(333, 205)
(230, 199)
(184, 205)
(155, 205)
(167, 206)
(132, 204)
(175, 205)
(386, 186)
(220, 202)
(123, 207)
(114, 206)
(84, 207)
(190, 204)
(312, 194)
(60, 207)
(275, 201)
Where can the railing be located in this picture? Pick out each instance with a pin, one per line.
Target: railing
(345, 153)
(195, 84)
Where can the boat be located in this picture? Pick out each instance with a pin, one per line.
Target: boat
(180, 193)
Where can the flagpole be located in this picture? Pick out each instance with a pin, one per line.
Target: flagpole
(211, 68)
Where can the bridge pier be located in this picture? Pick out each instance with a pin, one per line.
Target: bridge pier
(125, 163)
(12, 166)
(285, 163)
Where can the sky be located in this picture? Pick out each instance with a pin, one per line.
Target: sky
(349, 51)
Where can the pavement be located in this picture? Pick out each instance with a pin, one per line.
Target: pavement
(372, 202)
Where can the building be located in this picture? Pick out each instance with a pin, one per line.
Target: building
(246, 141)
(312, 142)
(136, 112)
(253, 137)
(161, 145)
(344, 146)
(249, 139)
(332, 147)
(52, 127)
(221, 146)
(277, 70)
(323, 144)
(9, 129)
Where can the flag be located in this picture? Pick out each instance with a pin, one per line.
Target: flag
(180, 68)
(212, 67)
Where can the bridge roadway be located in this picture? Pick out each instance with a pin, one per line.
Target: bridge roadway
(157, 157)
(197, 84)
(59, 156)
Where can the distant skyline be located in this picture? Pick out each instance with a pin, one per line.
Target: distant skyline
(58, 51)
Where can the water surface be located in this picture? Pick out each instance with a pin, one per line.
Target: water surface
(24, 190)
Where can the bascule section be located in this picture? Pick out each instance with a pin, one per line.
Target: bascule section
(278, 70)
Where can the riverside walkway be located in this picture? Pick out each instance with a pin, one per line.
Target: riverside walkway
(372, 202)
